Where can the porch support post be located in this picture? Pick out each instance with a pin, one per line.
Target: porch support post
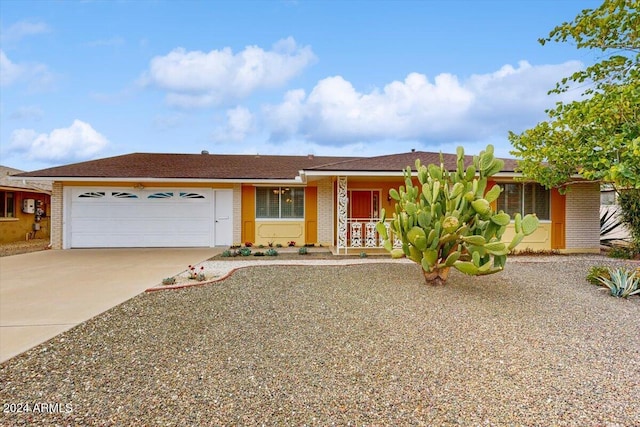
(342, 213)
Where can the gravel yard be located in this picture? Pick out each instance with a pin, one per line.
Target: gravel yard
(346, 345)
(23, 247)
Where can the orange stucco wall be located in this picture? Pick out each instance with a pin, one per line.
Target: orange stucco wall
(248, 213)
(21, 227)
(305, 231)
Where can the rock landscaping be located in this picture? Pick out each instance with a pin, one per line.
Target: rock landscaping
(364, 344)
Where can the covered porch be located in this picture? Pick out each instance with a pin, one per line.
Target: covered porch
(358, 211)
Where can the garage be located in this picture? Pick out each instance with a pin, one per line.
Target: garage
(99, 217)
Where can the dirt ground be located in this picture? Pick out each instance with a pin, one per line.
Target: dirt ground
(22, 247)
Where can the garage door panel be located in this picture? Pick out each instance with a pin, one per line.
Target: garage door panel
(119, 217)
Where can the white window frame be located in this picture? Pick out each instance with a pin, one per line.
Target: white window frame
(280, 193)
(522, 201)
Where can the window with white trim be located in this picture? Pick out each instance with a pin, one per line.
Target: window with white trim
(7, 204)
(525, 198)
(279, 203)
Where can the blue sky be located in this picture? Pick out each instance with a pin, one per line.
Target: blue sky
(90, 79)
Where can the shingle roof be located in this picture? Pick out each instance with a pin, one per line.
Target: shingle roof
(242, 167)
(398, 162)
(188, 166)
(25, 184)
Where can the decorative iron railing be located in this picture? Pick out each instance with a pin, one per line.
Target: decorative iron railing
(362, 233)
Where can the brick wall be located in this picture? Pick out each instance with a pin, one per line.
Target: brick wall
(237, 214)
(56, 216)
(325, 212)
(583, 218)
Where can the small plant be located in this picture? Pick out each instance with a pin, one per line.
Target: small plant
(169, 281)
(226, 254)
(622, 252)
(303, 251)
(258, 253)
(291, 243)
(363, 254)
(310, 245)
(194, 274)
(261, 246)
(270, 244)
(271, 252)
(248, 244)
(622, 283)
(596, 272)
(278, 245)
(245, 251)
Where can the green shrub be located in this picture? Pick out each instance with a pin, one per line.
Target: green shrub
(363, 254)
(258, 253)
(622, 283)
(271, 252)
(622, 252)
(303, 251)
(169, 281)
(245, 251)
(629, 201)
(226, 254)
(596, 272)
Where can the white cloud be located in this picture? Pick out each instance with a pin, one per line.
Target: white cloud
(22, 29)
(418, 109)
(76, 142)
(240, 123)
(36, 76)
(198, 79)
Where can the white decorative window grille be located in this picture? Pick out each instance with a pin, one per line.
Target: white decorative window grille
(191, 195)
(356, 234)
(92, 195)
(370, 240)
(161, 195)
(123, 195)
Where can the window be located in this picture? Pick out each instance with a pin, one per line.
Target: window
(7, 204)
(279, 202)
(524, 199)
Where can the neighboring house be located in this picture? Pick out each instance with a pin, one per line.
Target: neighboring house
(174, 200)
(24, 207)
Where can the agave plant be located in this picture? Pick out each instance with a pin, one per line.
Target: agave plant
(609, 222)
(622, 282)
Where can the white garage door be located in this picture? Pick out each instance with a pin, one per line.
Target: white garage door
(125, 217)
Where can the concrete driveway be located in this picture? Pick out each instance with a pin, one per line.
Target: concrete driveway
(45, 293)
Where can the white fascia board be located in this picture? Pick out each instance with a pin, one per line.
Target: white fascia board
(24, 189)
(351, 173)
(296, 180)
(389, 174)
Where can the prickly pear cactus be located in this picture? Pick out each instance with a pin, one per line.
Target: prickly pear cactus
(447, 220)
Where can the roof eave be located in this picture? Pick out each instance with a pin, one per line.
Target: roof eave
(296, 180)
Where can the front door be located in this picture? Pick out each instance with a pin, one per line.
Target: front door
(223, 216)
(364, 204)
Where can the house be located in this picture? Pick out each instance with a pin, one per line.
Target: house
(165, 200)
(24, 207)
